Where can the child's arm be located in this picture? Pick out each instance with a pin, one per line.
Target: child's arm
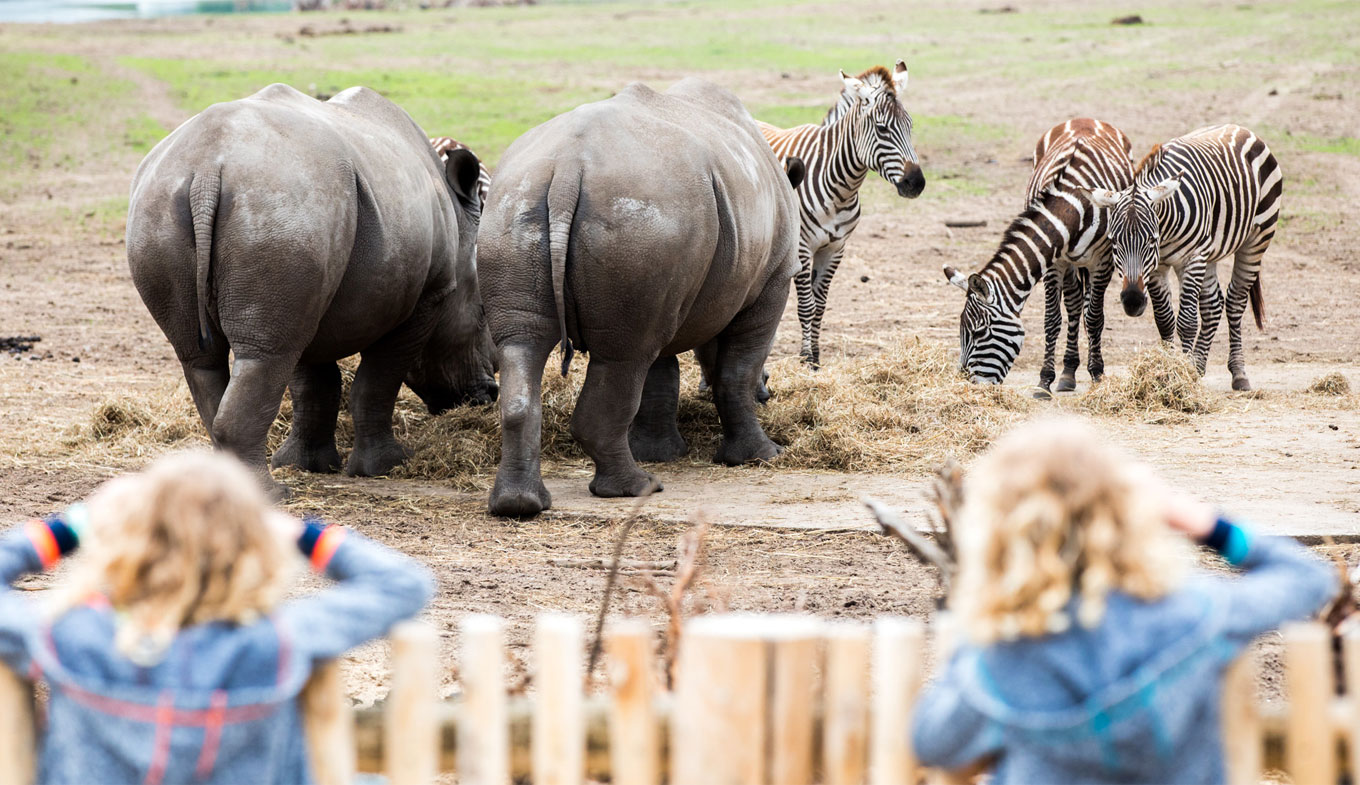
(25, 549)
(377, 587)
(1282, 580)
(947, 732)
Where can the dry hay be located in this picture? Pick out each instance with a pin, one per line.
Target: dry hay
(1333, 383)
(1161, 385)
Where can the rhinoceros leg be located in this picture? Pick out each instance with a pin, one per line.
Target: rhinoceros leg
(207, 378)
(519, 490)
(735, 361)
(373, 394)
(654, 435)
(248, 408)
(316, 403)
(609, 399)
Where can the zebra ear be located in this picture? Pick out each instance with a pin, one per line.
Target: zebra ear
(955, 277)
(1164, 189)
(1103, 197)
(977, 286)
(900, 77)
(856, 86)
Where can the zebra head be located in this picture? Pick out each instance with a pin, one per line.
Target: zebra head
(1135, 236)
(884, 138)
(990, 332)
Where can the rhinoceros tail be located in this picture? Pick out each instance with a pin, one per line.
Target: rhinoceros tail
(203, 193)
(562, 195)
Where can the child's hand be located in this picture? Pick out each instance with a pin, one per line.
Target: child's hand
(1189, 515)
(286, 526)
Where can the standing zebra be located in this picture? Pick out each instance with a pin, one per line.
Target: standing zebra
(868, 128)
(1196, 200)
(443, 144)
(1060, 237)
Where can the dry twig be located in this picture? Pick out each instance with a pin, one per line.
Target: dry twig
(596, 641)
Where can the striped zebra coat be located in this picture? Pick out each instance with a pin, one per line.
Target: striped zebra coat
(1197, 200)
(443, 144)
(867, 129)
(1060, 238)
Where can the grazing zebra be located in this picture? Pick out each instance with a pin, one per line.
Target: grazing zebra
(443, 144)
(1196, 200)
(1060, 238)
(868, 128)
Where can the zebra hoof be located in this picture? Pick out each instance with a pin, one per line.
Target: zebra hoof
(1241, 383)
(1067, 383)
(1042, 394)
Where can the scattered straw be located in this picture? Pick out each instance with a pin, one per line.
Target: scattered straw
(1330, 384)
(1162, 385)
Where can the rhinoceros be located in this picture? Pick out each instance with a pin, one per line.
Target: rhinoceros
(634, 229)
(288, 233)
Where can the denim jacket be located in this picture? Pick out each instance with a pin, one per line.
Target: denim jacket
(221, 707)
(1135, 699)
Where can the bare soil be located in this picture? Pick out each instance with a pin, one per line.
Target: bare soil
(786, 540)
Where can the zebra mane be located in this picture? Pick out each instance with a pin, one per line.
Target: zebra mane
(1149, 160)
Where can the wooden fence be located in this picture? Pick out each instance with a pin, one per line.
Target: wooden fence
(759, 699)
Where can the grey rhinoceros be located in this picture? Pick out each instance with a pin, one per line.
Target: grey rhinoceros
(293, 233)
(634, 229)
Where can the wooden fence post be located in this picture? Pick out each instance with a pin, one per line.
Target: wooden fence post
(18, 734)
(793, 645)
(483, 733)
(1241, 723)
(896, 672)
(411, 734)
(1310, 739)
(845, 725)
(328, 720)
(558, 738)
(718, 730)
(1350, 658)
(635, 746)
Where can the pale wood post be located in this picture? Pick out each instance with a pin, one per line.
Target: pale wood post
(18, 734)
(718, 731)
(634, 736)
(845, 726)
(1310, 739)
(897, 671)
(559, 737)
(411, 733)
(483, 732)
(328, 719)
(1350, 655)
(1243, 737)
(794, 643)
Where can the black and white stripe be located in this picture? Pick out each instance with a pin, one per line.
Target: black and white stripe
(1197, 200)
(1060, 238)
(868, 128)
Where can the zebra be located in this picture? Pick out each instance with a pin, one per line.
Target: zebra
(1060, 237)
(443, 144)
(868, 128)
(1196, 200)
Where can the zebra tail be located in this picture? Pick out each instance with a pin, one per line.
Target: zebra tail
(563, 193)
(1258, 303)
(203, 194)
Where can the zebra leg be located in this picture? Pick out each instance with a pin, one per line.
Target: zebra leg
(824, 264)
(1074, 298)
(1187, 317)
(1095, 319)
(1210, 312)
(1052, 326)
(1159, 291)
(802, 284)
(1246, 272)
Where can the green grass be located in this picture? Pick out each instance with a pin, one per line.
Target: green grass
(44, 96)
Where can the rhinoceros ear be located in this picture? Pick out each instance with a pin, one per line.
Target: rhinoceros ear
(795, 169)
(462, 170)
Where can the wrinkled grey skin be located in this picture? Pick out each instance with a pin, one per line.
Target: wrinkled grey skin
(294, 233)
(667, 225)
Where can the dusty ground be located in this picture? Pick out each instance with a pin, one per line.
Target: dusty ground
(1288, 460)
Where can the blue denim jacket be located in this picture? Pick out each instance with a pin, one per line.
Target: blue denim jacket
(1136, 699)
(221, 707)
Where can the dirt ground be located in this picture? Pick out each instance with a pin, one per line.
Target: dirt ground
(785, 540)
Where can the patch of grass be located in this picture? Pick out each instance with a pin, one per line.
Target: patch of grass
(47, 102)
(1333, 383)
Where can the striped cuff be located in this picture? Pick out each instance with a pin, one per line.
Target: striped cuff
(1230, 540)
(44, 541)
(319, 542)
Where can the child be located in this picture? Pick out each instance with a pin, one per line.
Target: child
(169, 656)
(1086, 657)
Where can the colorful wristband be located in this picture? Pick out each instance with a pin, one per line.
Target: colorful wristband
(1230, 540)
(319, 542)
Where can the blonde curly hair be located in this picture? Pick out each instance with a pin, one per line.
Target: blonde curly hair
(185, 542)
(1051, 513)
